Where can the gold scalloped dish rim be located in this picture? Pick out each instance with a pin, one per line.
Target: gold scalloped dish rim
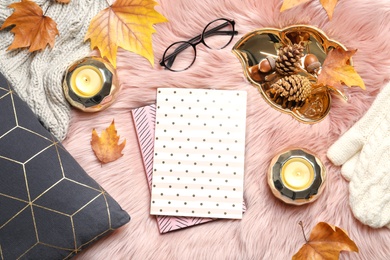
(318, 34)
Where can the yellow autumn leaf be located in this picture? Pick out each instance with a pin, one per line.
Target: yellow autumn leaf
(287, 4)
(336, 70)
(328, 5)
(127, 24)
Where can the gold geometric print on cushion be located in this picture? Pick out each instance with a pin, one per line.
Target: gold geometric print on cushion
(38, 249)
(49, 207)
(21, 137)
(3, 91)
(82, 221)
(22, 228)
(6, 118)
(70, 168)
(16, 206)
(38, 182)
(75, 203)
(15, 174)
(47, 221)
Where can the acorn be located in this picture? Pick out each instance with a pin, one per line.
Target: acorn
(255, 74)
(266, 65)
(311, 63)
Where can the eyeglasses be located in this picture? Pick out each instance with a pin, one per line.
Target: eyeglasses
(181, 55)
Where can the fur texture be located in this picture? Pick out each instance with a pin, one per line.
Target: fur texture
(269, 228)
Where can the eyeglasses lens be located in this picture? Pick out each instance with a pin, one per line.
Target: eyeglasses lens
(180, 56)
(218, 34)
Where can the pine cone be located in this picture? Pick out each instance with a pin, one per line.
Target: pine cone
(289, 58)
(290, 91)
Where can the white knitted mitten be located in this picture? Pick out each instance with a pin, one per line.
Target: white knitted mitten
(37, 77)
(364, 152)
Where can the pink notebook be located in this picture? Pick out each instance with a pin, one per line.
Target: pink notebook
(144, 121)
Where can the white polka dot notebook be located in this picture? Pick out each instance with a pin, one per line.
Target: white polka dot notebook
(199, 151)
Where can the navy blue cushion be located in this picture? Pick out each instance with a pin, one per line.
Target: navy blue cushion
(49, 207)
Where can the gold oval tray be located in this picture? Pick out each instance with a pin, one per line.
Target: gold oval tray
(257, 45)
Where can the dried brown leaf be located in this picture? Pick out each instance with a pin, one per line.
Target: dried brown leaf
(63, 1)
(326, 242)
(31, 28)
(107, 147)
(337, 72)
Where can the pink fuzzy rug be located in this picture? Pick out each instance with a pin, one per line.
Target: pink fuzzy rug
(269, 228)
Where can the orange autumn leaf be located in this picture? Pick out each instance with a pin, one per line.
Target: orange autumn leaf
(325, 242)
(127, 24)
(337, 72)
(107, 147)
(328, 5)
(63, 1)
(32, 29)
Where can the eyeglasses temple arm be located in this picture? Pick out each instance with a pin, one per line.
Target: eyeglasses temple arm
(221, 33)
(216, 29)
(171, 57)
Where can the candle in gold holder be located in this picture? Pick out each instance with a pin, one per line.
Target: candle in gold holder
(86, 81)
(296, 176)
(90, 84)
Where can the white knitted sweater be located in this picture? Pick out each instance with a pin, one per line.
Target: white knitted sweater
(37, 77)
